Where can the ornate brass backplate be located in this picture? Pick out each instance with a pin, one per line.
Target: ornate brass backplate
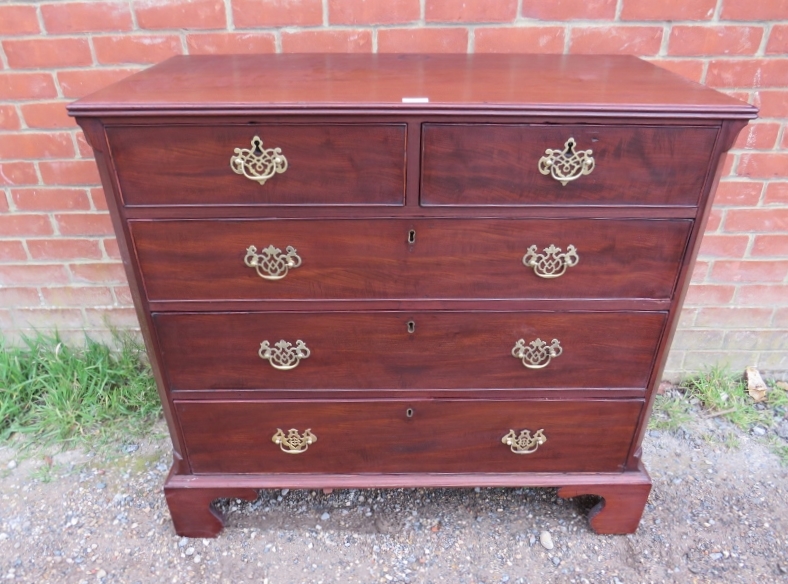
(284, 355)
(552, 263)
(293, 443)
(524, 443)
(258, 164)
(536, 354)
(566, 165)
(271, 263)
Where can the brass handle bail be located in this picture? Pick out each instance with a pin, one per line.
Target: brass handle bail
(552, 263)
(258, 164)
(524, 443)
(536, 354)
(293, 443)
(283, 355)
(271, 263)
(567, 165)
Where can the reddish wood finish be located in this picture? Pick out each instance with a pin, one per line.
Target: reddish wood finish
(374, 350)
(450, 259)
(499, 165)
(351, 164)
(379, 437)
(460, 169)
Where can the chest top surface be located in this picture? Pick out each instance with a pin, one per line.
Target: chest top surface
(593, 85)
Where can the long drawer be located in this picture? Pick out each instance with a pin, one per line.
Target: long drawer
(509, 164)
(403, 258)
(320, 164)
(408, 350)
(407, 436)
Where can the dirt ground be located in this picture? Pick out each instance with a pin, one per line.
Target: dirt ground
(715, 515)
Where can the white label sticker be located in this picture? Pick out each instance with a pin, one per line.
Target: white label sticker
(415, 100)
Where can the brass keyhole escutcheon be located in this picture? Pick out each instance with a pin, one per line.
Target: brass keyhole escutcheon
(412, 236)
(411, 326)
(409, 412)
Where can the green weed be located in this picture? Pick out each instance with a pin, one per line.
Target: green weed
(670, 413)
(52, 393)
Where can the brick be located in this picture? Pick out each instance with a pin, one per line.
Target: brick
(715, 220)
(423, 40)
(709, 294)
(777, 44)
(773, 104)
(39, 199)
(738, 193)
(749, 271)
(189, 14)
(691, 69)
(758, 136)
(79, 83)
(776, 361)
(762, 295)
(470, 11)
(27, 86)
(33, 275)
(522, 39)
(19, 297)
(122, 49)
(757, 220)
(47, 114)
(697, 361)
(714, 40)
(749, 10)
(49, 318)
(687, 317)
(123, 295)
(668, 10)
(18, 20)
(698, 339)
(85, 150)
(699, 271)
(73, 17)
(120, 318)
(748, 73)
(638, 40)
(69, 172)
(62, 248)
(12, 251)
(3, 203)
(226, 42)
(37, 145)
(111, 247)
(23, 224)
(84, 224)
(328, 41)
(99, 273)
(724, 246)
(755, 340)
(781, 318)
(728, 164)
(98, 198)
(17, 173)
(43, 53)
(776, 194)
(9, 119)
(733, 317)
(77, 296)
(247, 13)
(372, 11)
(770, 246)
(763, 165)
(569, 9)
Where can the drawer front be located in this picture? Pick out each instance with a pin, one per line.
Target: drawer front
(373, 259)
(407, 436)
(326, 165)
(488, 164)
(377, 350)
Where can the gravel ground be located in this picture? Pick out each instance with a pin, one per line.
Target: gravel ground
(715, 515)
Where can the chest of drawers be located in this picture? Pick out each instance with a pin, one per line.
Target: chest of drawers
(388, 271)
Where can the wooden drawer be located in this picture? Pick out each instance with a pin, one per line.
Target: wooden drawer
(376, 350)
(372, 259)
(492, 164)
(381, 436)
(359, 164)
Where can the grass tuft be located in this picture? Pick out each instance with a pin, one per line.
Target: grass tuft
(53, 393)
(671, 412)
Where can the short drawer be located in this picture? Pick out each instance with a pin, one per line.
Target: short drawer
(424, 258)
(408, 350)
(407, 436)
(325, 164)
(492, 164)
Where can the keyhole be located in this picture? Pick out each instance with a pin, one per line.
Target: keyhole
(411, 326)
(412, 236)
(409, 412)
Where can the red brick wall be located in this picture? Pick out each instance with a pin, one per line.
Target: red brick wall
(59, 263)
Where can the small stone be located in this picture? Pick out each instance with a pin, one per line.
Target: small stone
(325, 516)
(556, 560)
(101, 574)
(12, 464)
(285, 491)
(129, 448)
(477, 490)
(197, 559)
(531, 540)
(3, 536)
(758, 431)
(183, 542)
(715, 556)
(546, 540)
(101, 486)
(189, 551)
(782, 430)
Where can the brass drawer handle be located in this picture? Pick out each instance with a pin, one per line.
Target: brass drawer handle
(257, 164)
(536, 354)
(271, 263)
(283, 355)
(524, 443)
(552, 263)
(566, 165)
(293, 443)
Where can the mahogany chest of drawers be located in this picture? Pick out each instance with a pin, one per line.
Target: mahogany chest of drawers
(389, 270)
